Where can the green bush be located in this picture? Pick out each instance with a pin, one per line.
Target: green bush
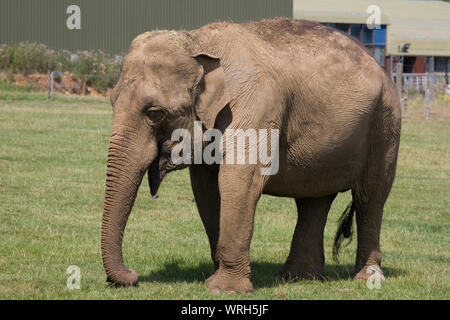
(94, 68)
(27, 57)
(34, 57)
(6, 57)
(62, 61)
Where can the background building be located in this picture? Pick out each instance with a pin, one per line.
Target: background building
(110, 25)
(415, 33)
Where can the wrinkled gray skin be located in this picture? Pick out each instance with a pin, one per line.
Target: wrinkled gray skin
(339, 121)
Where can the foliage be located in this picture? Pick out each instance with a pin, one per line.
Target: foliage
(97, 68)
(27, 57)
(94, 67)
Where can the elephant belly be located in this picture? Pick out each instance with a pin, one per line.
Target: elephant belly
(321, 171)
(298, 183)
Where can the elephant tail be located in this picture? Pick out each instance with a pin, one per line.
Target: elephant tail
(345, 229)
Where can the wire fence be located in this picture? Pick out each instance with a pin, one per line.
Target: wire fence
(80, 84)
(419, 82)
(425, 85)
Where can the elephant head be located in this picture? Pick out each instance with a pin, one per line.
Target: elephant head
(164, 85)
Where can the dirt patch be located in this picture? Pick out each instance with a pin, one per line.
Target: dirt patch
(64, 83)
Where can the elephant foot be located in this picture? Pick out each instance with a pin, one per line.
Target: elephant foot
(292, 272)
(220, 282)
(369, 272)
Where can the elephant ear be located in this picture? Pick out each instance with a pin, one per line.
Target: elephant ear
(213, 94)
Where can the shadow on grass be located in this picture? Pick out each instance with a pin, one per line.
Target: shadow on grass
(263, 273)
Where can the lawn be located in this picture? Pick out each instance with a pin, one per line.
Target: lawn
(52, 169)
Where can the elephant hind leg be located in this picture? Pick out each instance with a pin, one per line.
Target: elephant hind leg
(306, 258)
(369, 213)
(369, 197)
(373, 184)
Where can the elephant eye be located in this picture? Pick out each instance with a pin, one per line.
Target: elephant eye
(156, 115)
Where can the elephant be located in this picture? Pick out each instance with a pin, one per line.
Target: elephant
(338, 117)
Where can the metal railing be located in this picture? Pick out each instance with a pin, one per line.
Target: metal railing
(419, 82)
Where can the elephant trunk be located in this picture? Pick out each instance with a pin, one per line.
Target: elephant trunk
(123, 177)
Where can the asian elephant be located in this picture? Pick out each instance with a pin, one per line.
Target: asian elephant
(336, 111)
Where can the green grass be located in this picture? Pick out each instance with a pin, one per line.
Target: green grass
(9, 87)
(52, 170)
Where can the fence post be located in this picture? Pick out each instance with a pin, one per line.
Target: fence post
(50, 85)
(399, 78)
(427, 102)
(446, 72)
(52, 82)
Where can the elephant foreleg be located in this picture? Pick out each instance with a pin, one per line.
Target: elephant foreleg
(306, 258)
(207, 197)
(240, 189)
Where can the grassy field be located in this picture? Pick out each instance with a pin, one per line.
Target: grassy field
(52, 170)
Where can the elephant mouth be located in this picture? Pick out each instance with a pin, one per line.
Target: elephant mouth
(158, 169)
(155, 175)
(156, 172)
(161, 166)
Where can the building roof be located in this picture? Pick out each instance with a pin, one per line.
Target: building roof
(425, 25)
